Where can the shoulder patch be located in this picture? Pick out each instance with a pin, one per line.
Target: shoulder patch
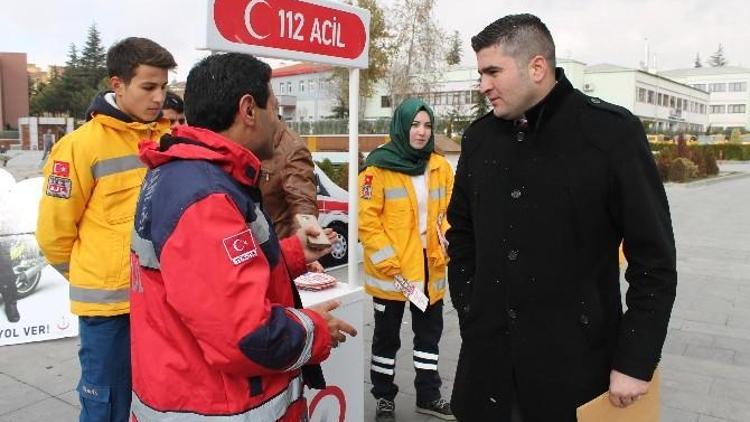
(600, 104)
(59, 187)
(61, 168)
(367, 187)
(240, 247)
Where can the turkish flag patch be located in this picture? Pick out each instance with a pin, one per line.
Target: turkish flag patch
(61, 168)
(240, 247)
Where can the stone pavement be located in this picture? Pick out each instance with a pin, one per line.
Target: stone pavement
(706, 362)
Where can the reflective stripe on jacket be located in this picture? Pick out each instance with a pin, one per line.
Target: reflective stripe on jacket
(92, 180)
(389, 232)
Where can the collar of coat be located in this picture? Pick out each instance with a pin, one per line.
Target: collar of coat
(193, 143)
(544, 109)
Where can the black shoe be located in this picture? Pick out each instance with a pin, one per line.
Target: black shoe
(11, 311)
(439, 408)
(385, 411)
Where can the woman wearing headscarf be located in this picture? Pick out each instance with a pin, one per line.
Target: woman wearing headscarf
(405, 189)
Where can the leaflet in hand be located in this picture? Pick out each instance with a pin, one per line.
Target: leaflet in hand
(415, 295)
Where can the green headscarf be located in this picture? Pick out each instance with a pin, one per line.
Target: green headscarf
(398, 155)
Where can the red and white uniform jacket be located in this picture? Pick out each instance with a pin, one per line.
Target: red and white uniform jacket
(215, 326)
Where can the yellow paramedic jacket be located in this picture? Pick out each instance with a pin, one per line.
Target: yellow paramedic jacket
(389, 233)
(92, 181)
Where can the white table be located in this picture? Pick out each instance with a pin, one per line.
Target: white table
(343, 399)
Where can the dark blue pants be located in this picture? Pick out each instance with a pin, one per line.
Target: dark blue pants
(105, 386)
(386, 340)
(427, 327)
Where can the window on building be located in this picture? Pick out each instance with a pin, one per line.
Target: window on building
(301, 86)
(651, 97)
(702, 87)
(672, 102)
(736, 108)
(718, 109)
(311, 85)
(659, 99)
(737, 86)
(281, 88)
(467, 97)
(385, 101)
(703, 109)
(456, 98)
(641, 95)
(288, 87)
(717, 87)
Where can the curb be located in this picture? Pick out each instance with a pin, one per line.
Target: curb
(706, 182)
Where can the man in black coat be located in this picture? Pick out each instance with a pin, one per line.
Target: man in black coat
(547, 187)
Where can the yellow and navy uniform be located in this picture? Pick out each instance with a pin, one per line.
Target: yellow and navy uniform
(92, 181)
(389, 230)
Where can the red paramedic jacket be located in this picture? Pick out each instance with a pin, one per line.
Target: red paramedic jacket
(215, 328)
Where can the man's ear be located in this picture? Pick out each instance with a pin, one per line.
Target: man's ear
(247, 109)
(538, 68)
(117, 84)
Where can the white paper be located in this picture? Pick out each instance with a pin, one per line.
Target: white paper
(415, 296)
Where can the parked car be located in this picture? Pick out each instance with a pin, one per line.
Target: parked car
(333, 208)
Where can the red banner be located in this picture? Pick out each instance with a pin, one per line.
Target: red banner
(291, 25)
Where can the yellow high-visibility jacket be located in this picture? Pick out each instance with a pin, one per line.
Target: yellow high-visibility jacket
(388, 230)
(92, 181)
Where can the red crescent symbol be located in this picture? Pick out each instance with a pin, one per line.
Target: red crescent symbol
(330, 391)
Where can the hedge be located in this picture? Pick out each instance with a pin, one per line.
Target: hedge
(739, 152)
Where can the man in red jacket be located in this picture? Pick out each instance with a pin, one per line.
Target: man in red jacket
(217, 325)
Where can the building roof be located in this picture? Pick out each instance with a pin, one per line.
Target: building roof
(705, 71)
(613, 68)
(607, 68)
(568, 60)
(300, 69)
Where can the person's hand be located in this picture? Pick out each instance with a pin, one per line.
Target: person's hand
(336, 327)
(315, 267)
(313, 254)
(624, 390)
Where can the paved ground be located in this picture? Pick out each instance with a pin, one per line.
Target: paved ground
(706, 363)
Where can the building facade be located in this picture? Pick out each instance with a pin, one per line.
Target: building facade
(305, 92)
(661, 103)
(728, 88)
(14, 89)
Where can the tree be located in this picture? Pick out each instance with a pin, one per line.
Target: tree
(380, 52)
(417, 64)
(697, 60)
(454, 50)
(717, 59)
(71, 93)
(93, 61)
(481, 106)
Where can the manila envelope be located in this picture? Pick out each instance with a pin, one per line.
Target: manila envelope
(645, 409)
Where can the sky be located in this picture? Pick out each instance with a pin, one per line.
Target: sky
(604, 31)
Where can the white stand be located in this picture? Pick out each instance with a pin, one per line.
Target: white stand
(343, 398)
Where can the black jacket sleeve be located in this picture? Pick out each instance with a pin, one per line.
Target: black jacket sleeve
(460, 235)
(642, 213)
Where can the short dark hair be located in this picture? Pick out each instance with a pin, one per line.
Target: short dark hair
(126, 55)
(173, 102)
(216, 84)
(522, 37)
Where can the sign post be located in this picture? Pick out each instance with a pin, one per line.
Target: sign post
(318, 31)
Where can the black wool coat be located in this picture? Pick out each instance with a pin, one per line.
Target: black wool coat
(537, 215)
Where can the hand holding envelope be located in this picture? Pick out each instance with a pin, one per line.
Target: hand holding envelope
(645, 409)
